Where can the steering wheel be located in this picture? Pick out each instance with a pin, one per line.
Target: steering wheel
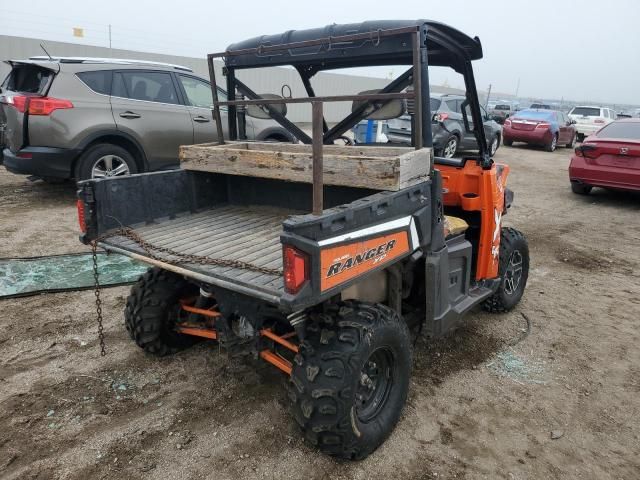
(346, 140)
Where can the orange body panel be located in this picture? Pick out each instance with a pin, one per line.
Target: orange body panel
(339, 264)
(473, 189)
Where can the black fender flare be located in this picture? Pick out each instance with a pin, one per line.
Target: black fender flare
(88, 140)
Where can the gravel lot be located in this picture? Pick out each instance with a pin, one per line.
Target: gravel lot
(481, 405)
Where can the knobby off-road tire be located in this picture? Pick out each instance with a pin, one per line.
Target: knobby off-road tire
(513, 270)
(152, 310)
(350, 378)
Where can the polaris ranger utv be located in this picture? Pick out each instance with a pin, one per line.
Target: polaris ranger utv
(323, 281)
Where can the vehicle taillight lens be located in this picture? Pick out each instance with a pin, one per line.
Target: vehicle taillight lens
(542, 125)
(440, 117)
(46, 105)
(81, 218)
(296, 268)
(18, 102)
(588, 150)
(507, 123)
(598, 120)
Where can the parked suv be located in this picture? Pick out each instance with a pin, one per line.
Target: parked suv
(447, 127)
(90, 118)
(590, 119)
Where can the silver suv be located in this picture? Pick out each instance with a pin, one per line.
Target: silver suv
(86, 118)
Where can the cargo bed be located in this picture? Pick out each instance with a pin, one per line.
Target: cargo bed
(245, 233)
(219, 216)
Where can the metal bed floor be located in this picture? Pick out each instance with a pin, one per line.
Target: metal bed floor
(248, 234)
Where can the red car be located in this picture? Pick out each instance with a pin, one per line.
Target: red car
(610, 158)
(548, 128)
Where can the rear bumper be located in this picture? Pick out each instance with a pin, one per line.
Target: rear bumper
(439, 137)
(587, 129)
(41, 161)
(538, 137)
(399, 136)
(603, 176)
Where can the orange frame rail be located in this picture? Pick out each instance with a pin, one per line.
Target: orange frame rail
(210, 333)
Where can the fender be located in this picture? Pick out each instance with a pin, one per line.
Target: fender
(114, 133)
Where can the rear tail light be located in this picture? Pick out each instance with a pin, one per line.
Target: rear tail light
(81, 217)
(598, 120)
(46, 105)
(440, 117)
(296, 268)
(588, 151)
(35, 105)
(19, 102)
(543, 125)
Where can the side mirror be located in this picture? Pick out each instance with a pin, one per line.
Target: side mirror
(258, 111)
(391, 109)
(573, 122)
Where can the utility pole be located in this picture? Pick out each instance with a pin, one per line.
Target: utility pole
(110, 52)
(486, 104)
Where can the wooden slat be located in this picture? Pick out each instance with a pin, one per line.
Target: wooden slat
(248, 234)
(379, 168)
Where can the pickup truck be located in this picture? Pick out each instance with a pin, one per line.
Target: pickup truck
(323, 281)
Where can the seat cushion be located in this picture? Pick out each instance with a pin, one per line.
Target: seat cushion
(454, 226)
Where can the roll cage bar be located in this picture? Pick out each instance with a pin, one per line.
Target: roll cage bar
(374, 43)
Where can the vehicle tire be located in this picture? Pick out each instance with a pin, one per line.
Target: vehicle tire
(581, 137)
(513, 270)
(105, 160)
(152, 309)
(508, 143)
(450, 147)
(581, 188)
(350, 378)
(553, 144)
(572, 144)
(494, 145)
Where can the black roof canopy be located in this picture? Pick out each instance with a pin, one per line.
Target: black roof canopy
(446, 46)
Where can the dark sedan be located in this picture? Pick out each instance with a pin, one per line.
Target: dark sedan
(447, 126)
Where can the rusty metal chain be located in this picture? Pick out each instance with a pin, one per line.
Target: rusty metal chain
(153, 250)
(94, 254)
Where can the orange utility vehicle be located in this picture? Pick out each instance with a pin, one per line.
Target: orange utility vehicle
(328, 297)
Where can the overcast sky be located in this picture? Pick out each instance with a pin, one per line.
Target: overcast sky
(581, 50)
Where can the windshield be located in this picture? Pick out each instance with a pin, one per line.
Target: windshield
(586, 111)
(502, 107)
(535, 115)
(622, 130)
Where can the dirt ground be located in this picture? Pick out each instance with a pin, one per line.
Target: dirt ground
(482, 405)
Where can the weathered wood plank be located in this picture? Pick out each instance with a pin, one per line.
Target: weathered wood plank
(380, 168)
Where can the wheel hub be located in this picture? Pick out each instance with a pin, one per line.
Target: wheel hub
(513, 274)
(109, 166)
(374, 385)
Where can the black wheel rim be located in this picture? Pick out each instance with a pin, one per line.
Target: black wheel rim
(513, 274)
(374, 384)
